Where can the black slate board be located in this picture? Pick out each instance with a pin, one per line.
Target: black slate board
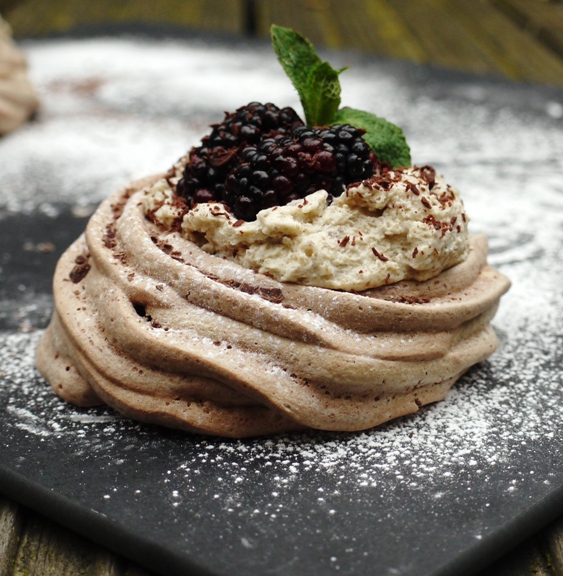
(437, 493)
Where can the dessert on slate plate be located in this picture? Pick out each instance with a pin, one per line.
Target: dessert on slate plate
(18, 100)
(283, 275)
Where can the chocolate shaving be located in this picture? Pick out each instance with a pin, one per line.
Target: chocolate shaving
(446, 198)
(110, 242)
(426, 202)
(109, 236)
(410, 300)
(436, 224)
(221, 158)
(429, 175)
(412, 187)
(216, 211)
(271, 294)
(431, 221)
(78, 273)
(274, 295)
(382, 257)
(117, 209)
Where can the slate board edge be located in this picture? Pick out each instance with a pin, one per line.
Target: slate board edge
(118, 538)
(97, 527)
(506, 538)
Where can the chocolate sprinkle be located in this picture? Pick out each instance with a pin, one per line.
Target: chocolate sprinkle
(382, 257)
(79, 272)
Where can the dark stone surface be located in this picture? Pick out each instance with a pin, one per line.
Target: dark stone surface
(31, 246)
(443, 492)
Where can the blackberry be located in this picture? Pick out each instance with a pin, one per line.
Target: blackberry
(209, 164)
(279, 169)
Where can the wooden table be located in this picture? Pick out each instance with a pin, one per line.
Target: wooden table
(32, 545)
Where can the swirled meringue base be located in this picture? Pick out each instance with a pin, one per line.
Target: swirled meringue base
(163, 332)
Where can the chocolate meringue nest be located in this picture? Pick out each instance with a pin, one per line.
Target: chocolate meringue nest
(148, 323)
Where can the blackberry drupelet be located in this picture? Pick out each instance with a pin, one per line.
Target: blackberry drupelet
(209, 164)
(279, 169)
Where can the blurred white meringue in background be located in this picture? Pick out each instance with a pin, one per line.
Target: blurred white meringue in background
(18, 100)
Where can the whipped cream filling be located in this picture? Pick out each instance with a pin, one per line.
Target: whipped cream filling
(404, 224)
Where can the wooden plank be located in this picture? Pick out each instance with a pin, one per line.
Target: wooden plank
(481, 51)
(396, 37)
(47, 549)
(503, 47)
(543, 20)
(11, 521)
(443, 40)
(7, 5)
(553, 537)
(518, 53)
(487, 42)
(368, 25)
(528, 559)
(358, 26)
(37, 17)
(534, 15)
(473, 35)
(307, 17)
(223, 15)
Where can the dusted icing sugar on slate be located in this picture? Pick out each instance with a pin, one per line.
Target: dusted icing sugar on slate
(497, 407)
(525, 234)
(464, 466)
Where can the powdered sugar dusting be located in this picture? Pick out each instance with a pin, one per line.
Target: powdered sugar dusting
(511, 399)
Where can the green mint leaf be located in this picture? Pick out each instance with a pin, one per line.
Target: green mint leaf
(385, 139)
(296, 55)
(323, 90)
(313, 79)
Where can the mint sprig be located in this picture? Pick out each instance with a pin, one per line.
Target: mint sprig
(318, 86)
(316, 81)
(385, 139)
